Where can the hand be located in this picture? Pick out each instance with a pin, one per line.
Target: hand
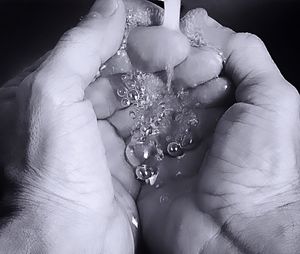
(245, 196)
(68, 196)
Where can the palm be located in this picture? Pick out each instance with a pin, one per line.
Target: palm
(250, 168)
(124, 217)
(171, 219)
(241, 157)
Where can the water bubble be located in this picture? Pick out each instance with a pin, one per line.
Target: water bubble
(130, 156)
(132, 114)
(193, 122)
(144, 172)
(151, 181)
(187, 140)
(125, 102)
(164, 198)
(162, 105)
(174, 149)
(178, 174)
(159, 156)
(121, 92)
(131, 84)
(148, 131)
(124, 78)
(142, 139)
(134, 221)
(133, 95)
(98, 74)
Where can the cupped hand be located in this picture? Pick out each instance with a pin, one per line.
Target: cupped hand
(239, 193)
(67, 192)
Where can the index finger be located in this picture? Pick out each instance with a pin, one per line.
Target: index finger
(76, 59)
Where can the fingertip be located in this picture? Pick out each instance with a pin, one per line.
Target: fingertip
(201, 29)
(216, 92)
(202, 65)
(105, 7)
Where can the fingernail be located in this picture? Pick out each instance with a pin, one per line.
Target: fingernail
(106, 7)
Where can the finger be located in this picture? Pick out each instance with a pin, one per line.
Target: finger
(141, 13)
(119, 63)
(76, 59)
(214, 93)
(114, 151)
(103, 98)
(258, 79)
(123, 122)
(202, 65)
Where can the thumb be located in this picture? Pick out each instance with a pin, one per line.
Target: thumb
(248, 63)
(258, 80)
(64, 141)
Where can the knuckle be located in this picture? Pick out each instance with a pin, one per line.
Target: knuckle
(201, 12)
(72, 34)
(289, 95)
(247, 40)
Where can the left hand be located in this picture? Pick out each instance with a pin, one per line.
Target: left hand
(243, 195)
(71, 189)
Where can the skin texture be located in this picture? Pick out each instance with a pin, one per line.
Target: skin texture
(244, 193)
(86, 201)
(238, 194)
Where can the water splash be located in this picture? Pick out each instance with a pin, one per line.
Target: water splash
(164, 118)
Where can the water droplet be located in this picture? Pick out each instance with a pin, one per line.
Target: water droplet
(193, 122)
(156, 123)
(134, 221)
(144, 172)
(159, 153)
(132, 114)
(174, 149)
(142, 139)
(164, 198)
(121, 92)
(130, 156)
(133, 95)
(131, 84)
(151, 181)
(178, 174)
(103, 67)
(124, 78)
(148, 131)
(93, 15)
(125, 102)
(187, 140)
